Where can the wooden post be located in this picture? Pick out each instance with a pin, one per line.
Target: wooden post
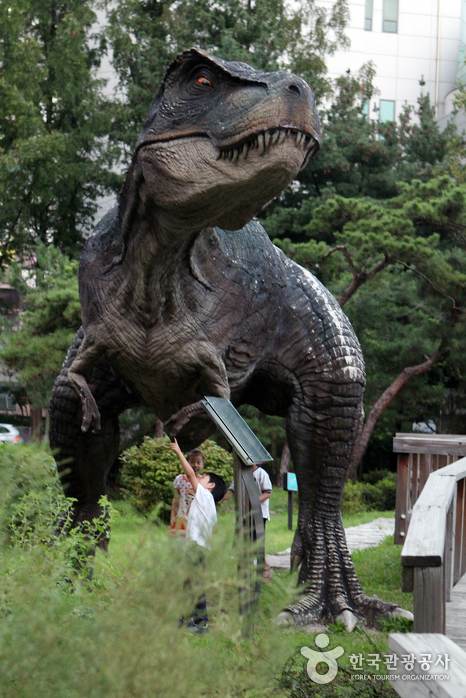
(459, 532)
(425, 469)
(402, 491)
(429, 600)
(250, 537)
(290, 510)
(449, 548)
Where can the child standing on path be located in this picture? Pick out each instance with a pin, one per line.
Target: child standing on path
(184, 494)
(209, 489)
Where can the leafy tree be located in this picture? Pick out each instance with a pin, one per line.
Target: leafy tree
(360, 157)
(398, 268)
(52, 314)
(145, 36)
(54, 152)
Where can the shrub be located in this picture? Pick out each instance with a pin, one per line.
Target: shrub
(148, 472)
(365, 496)
(28, 474)
(352, 498)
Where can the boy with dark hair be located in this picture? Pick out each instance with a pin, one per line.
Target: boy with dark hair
(209, 489)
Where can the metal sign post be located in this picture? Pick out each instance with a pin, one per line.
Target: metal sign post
(247, 451)
(290, 485)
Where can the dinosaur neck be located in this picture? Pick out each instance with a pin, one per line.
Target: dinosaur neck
(155, 262)
(150, 234)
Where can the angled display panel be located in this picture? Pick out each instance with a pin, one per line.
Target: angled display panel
(233, 427)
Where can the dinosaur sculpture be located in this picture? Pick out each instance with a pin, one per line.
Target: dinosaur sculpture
(183, 295)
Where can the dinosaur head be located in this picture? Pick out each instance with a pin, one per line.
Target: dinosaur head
(222, 139)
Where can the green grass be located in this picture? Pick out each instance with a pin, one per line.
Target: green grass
(118, 635)
(279, 538)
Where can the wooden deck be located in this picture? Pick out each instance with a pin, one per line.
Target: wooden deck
(456, 614)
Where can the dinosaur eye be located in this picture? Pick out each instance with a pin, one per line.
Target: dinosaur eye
(205, 82)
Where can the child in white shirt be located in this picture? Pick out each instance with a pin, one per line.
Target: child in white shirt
(209, 489)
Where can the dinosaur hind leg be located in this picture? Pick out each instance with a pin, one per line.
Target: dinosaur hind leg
(84, 459)
(320, 435)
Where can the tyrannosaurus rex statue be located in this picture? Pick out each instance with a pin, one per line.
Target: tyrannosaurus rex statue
(175, 308)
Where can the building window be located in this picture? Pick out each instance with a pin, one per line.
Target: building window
(368, 16)
(387, 111)
(390, 16)
(365, 108)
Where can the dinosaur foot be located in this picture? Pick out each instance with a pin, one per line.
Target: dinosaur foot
(178, 420)
(331, 591)
(295, 616)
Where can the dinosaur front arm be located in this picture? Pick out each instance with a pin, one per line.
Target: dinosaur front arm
(87, 356)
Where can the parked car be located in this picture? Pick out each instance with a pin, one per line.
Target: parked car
(9, 433)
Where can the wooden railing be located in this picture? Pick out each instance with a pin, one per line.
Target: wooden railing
(418, 456)
(434, 553)
(428, 679)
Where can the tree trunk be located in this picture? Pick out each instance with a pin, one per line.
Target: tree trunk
(384, 400)
(36, 425)
(158, 428)
(284, 463)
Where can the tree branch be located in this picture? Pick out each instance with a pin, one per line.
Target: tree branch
(455, 308)
(360, 279)
(349, 259)
(385, 399)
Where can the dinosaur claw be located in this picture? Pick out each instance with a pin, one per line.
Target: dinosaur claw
(403, 613)
(284, 618)
(348, 619)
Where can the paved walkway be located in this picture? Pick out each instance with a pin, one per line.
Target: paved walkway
(367, 535)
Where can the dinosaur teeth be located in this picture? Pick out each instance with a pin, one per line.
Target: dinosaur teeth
(261, 142)
(264, 140)
(244, 151)
(282, 136)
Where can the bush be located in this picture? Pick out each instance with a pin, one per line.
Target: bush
(148, 472)
(28, 474)
(365, 496)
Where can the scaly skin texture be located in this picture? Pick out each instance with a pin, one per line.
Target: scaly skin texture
(183, 295)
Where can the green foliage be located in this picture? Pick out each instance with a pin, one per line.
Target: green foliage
(370, 496)
(27, 473)
(271, 432)
(135, 424)
(55, 158)
(360, 157)
(35, 350)
(397, 267)
(295, 681)
(68, 625)
(148, 472)
(145, 36)
(34, 511)
(396, 624)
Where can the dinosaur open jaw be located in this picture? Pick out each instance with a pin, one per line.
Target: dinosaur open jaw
(264, 140)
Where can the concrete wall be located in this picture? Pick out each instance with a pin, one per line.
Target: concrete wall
(422, 47)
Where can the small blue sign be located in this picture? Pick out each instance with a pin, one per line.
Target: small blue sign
(291, 482)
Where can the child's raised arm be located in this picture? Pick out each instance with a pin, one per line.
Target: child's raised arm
(190, 474)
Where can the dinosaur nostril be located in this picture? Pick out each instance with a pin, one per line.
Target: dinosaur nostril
(295, 89)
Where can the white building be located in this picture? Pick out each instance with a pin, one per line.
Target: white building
(407, 40)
